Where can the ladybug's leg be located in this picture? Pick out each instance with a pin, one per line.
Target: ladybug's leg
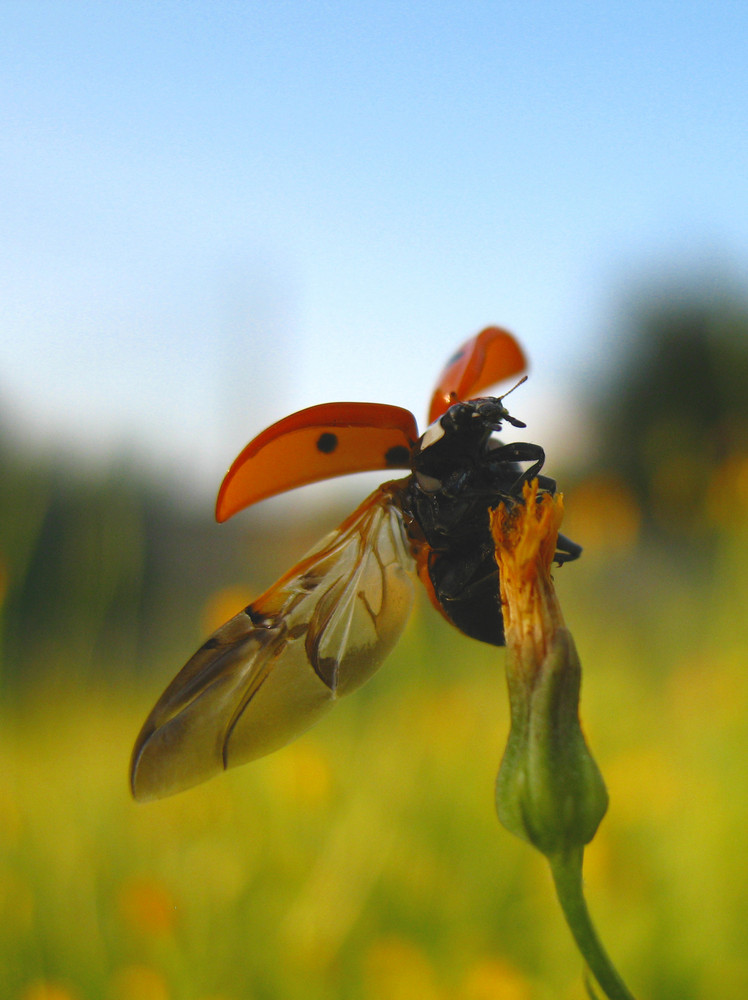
(547, 484)
(521, 452)
(566, 550)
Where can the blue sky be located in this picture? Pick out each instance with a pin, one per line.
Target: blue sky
(212, 214)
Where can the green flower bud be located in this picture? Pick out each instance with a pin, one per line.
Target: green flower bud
(549, 790)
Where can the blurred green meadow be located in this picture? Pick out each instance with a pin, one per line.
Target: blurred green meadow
(365, 861)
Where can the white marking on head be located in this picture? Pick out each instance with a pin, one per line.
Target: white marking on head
(432, 434)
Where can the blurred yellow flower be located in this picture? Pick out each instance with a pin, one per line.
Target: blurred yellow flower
(699, 700)
(43, 990)
(494, 979)
(647, 786)
(138, 982)
(147, 906)
(303, 774)
(727, 492)
(605, 514)
(398, 969)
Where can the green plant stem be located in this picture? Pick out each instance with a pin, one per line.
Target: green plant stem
(566, 869)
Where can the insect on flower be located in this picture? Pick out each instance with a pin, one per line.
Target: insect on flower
(330, 621)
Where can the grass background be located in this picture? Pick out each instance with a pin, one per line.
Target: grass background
(365, 860)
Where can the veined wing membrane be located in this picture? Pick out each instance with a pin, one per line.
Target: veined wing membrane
(276, 667)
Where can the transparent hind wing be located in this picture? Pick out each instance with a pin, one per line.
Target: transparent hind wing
(272, 670)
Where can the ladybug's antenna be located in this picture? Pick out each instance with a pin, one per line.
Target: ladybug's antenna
(515, 386)
(508, 417)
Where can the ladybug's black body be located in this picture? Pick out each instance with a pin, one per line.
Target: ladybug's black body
(461, 472)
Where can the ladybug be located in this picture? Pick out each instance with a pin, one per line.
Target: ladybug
(321, 631)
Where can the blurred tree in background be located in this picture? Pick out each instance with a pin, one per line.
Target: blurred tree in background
(101, 572)
(673, 424)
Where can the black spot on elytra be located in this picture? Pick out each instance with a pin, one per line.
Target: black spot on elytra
(455, 358)
(397, 457)
(327, 442)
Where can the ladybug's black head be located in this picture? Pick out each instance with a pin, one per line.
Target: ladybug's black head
(459, 439)
(478, 417)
